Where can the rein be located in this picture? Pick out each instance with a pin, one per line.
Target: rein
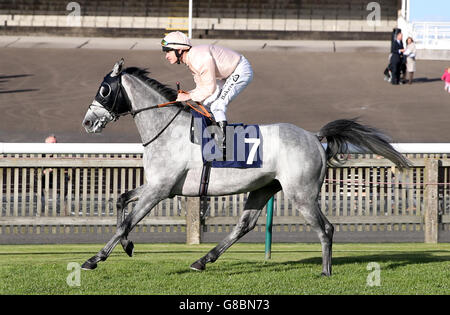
(162, 130)
(201, 110)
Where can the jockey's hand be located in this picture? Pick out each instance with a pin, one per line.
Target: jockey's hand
(183, 96)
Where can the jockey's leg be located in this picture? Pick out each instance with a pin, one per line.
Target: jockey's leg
(235, 84)
(208, 101)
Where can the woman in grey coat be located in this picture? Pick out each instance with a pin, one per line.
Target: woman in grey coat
(410, 54)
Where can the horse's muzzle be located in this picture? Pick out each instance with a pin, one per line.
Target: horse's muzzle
(87, 123)
(93, 126)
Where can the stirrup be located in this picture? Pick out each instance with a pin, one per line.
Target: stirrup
(223, 146)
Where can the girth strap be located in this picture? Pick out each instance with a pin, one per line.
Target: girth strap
(204, 181)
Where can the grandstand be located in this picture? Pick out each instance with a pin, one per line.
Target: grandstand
(293, 19)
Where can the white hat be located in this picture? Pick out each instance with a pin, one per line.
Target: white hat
(176, 40)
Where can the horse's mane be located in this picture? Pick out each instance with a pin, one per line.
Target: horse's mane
(142, 74)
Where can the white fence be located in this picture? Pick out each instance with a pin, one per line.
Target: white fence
(137, 148)
(67, 193)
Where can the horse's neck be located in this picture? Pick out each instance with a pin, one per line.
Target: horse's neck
(150, 122)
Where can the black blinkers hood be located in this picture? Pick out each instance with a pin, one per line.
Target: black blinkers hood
(112, 96)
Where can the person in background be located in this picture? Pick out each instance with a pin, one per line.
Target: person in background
(397, 58)
(446, 79)
(51, 139)
(50, 172)
(47, 177)
(410, 54)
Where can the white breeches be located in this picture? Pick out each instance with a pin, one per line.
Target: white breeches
(228, 89)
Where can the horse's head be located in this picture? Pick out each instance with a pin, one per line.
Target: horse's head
(109, 103)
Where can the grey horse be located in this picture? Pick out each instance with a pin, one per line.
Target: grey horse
(294, 161)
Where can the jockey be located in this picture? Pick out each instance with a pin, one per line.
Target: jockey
(220, 74)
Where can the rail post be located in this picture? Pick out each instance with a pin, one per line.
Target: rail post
(269, 220)
(431, 200)
(193, 223)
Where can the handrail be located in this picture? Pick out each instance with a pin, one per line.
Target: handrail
(137, 148)
(71, 148)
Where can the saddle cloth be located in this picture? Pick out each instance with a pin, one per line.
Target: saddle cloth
(243, 143)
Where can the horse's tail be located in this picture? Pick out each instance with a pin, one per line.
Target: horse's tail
(340, 133)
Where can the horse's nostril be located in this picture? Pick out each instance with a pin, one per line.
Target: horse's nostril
(87, 123)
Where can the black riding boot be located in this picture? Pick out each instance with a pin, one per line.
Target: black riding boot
(222, 139)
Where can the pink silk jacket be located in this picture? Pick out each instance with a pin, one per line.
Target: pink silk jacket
(209, 63)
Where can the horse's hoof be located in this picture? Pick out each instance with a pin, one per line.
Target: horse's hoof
(89, 265)
(129, 248)
(198, 266)
(326, 274)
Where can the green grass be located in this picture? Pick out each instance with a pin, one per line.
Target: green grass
(164, 269)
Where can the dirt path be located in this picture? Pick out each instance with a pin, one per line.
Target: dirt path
(45, 91)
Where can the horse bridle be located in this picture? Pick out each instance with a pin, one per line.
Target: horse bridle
(115, 114)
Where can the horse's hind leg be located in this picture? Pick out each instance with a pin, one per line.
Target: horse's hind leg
(255, 202)
(123, 200)
(324, 229)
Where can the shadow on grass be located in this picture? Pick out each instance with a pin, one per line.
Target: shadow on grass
(390, 261)
(143, 252)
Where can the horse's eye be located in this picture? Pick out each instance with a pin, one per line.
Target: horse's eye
(105, 90)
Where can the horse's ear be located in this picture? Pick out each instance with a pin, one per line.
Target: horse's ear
(117, 68)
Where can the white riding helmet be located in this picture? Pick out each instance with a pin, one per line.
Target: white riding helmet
(176, 40)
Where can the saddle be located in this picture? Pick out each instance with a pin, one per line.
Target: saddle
(244, 146)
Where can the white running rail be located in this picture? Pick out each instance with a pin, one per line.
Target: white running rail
(137, 148)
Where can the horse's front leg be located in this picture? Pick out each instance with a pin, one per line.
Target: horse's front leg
(149, 199)
(122, 202)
